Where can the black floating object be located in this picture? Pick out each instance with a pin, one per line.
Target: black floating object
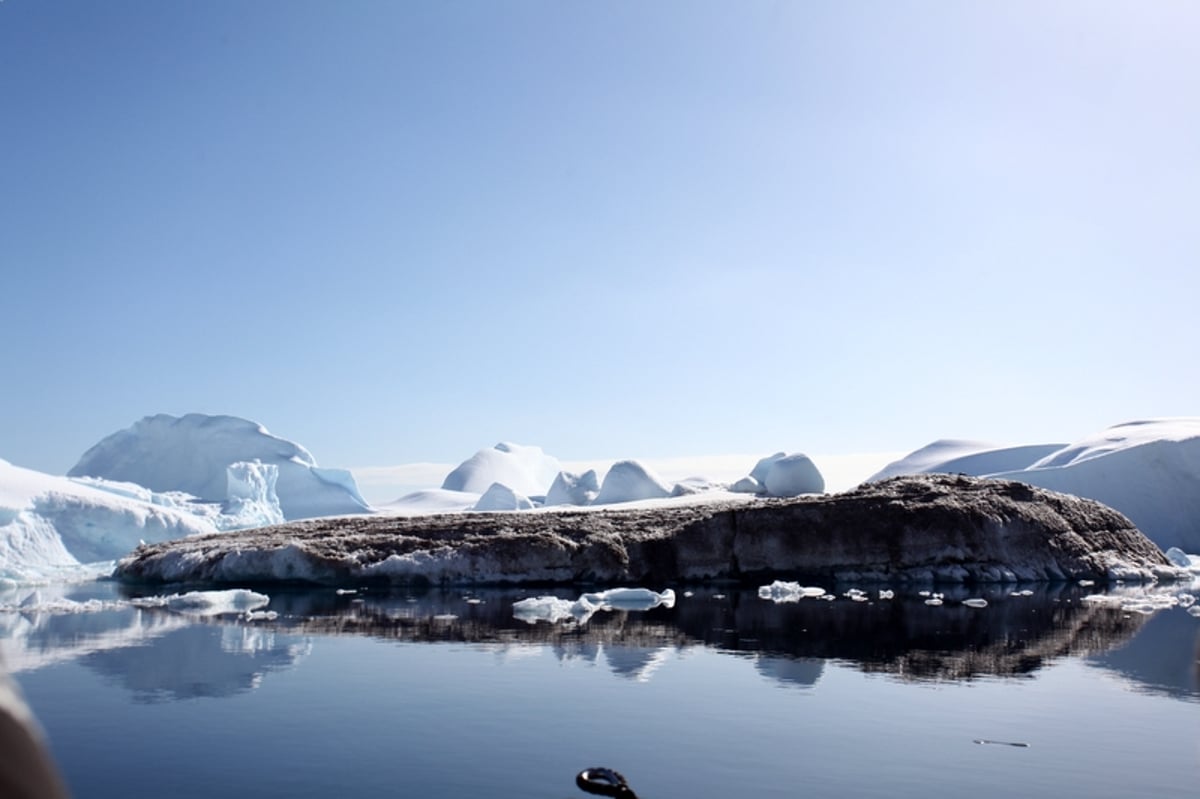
(604, 782)
(1002, 743)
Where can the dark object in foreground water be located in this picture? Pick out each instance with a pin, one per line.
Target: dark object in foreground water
(605, 782)
(1002, 743)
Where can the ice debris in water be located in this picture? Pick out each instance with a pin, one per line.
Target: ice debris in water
(884, 594)
(781, 591)
(975, 603)
(1025, 592)
(554, 609)
(934, 599)
(207, 603)
(1145, 603)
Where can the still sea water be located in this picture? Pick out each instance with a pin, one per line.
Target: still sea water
(446, 694)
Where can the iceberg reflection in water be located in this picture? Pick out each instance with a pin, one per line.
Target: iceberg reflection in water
(358, 693)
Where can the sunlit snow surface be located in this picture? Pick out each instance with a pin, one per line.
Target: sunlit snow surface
(1149, 470)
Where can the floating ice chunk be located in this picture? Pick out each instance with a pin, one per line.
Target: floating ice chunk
(747, 485)
(554, 609)
(884, 594)
(544, 608)
(207, 603)
(975, 603)
(1186, 600)
(1086, 583)
(631, 598)
(1024, 592)
(781, 591)
(261, 615)
(1194, 610)
(933, 601)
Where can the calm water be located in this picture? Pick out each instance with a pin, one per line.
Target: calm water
(446, 694)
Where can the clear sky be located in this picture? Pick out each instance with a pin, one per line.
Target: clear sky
(399, 232)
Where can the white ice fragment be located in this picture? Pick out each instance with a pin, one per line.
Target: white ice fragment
(206, 603)
(1086, 583)
(922, 593)
(1194, 610)
(782, 591)
(886, 594)
(554, 609)
(261, 615)
(344, 591)
(934, 601)
(975, 603)
(1025, 592)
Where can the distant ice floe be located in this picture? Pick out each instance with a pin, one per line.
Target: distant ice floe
(554, 609)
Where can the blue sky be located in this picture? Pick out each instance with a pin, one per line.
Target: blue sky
(400, 232)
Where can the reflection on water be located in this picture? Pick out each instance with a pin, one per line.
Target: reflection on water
(159, 655)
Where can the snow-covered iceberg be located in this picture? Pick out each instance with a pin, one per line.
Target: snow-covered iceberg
(192, 454)
(569, 488)
(51, 525)
(526, 470)
(500, 497)
(1148, 470)
(630, 481)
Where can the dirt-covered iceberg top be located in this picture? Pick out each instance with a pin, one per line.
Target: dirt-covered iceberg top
(920, 528)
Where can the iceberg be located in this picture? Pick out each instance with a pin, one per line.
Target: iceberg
(500, 497)
(526, 470)
(1148, 470)
(569, 488)
(630, 481)
(192, 454)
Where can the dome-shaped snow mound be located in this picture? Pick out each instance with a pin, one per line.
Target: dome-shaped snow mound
(793, 475)
(630, 481)
(526, 470)
(191, 453)
(501, 497)
(574, 489)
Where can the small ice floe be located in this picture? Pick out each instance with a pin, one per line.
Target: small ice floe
(445, 617)
(554, 609)
(474, 601)
(206, 603)
(688, 594)
(631, 599)
(934, 599)
(344, 591)
(1025, 592)
(976, 603)
(884, 594)
(856, 595)
(1086, 583)
(923, 593)
(261, 615)
(1194, 610)
(1185, 600)
(781, 591)
(1144, 603)
(34, 604)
